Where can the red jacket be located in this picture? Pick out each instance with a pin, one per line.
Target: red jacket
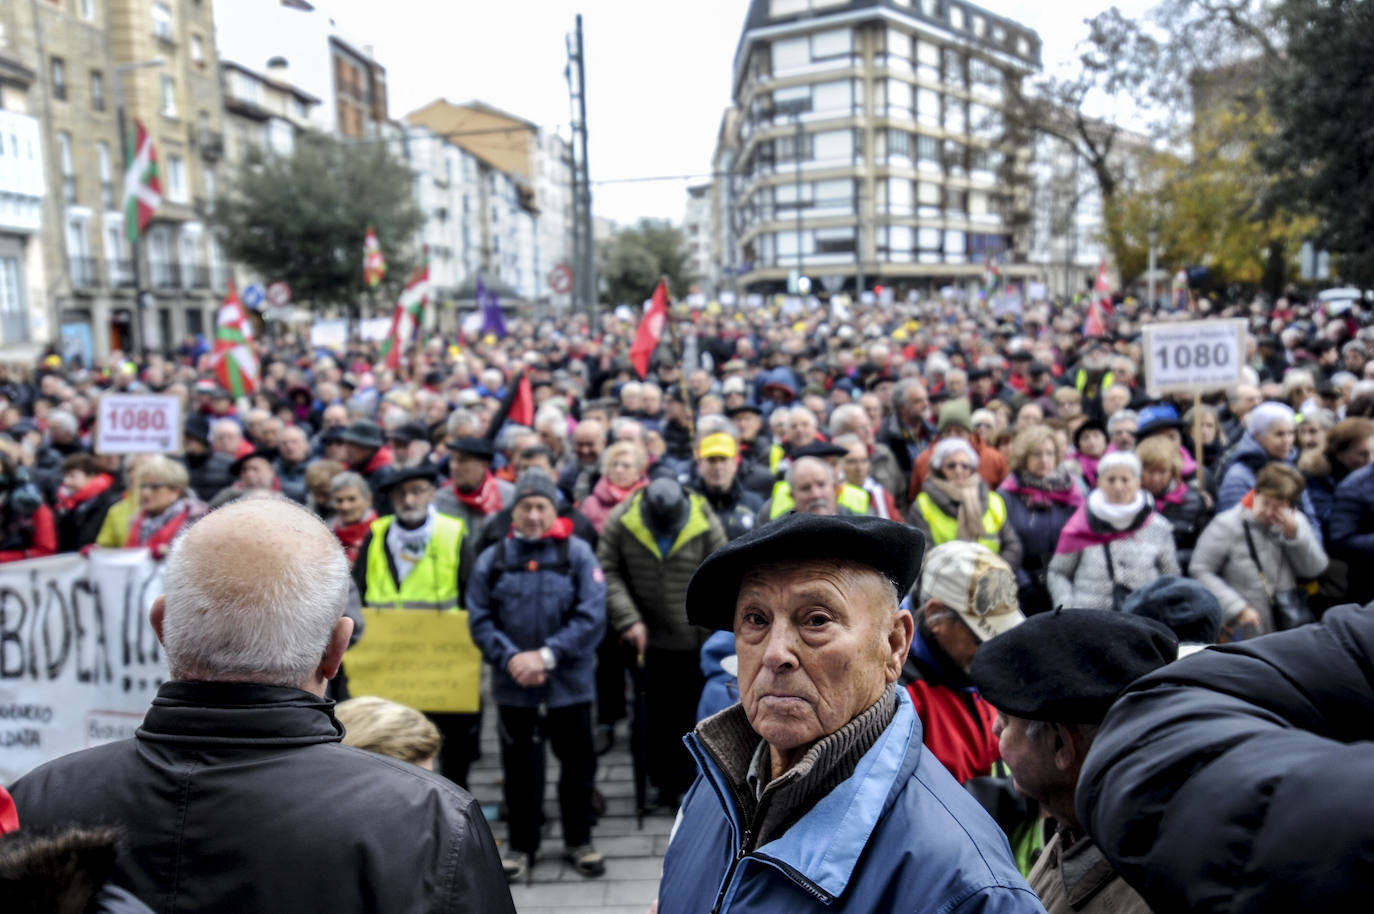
(957, 723)
(44, 538)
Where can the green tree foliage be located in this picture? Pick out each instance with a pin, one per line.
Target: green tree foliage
(302, 218)
(1323, 110)
(634, 259)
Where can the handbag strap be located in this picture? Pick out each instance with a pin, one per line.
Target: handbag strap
(1111, 571)
(1254, 557)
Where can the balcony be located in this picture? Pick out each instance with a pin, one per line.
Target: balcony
(196, 276)
(211, 145)
(121, 274)
(85, 272)
(164, 276)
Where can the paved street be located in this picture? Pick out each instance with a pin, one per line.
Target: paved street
(634, 857)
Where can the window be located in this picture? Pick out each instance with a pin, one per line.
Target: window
(169, 97)
(162, 20)
(898, 144)
(928, 61)
(102, 157)
(787, 147)
(832, 43)
(954, 157)
(833, 96)
(956, 17)
(97, 91)
(956, 202)
(58, 69)
(953, 66)
(834, 144)
(898, 98)
(955, 121)
(87, 9)
(176, 179)
(211, 189)
(64, 158)
(14, 314)
(898, 197)
(927, 149)
(928, 107)
(198, 50)
(835, 241)
(928, 199)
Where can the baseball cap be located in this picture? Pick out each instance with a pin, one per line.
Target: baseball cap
(975, 582)
(718, 445)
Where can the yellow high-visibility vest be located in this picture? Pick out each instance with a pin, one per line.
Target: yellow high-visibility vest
(945, 529)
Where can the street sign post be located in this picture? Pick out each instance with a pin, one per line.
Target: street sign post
(253, 295)
(561, 279)
(279, 294)
(138, 424)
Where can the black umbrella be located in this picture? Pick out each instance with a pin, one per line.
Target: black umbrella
(639, 735)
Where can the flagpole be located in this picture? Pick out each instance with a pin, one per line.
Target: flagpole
(136, 246)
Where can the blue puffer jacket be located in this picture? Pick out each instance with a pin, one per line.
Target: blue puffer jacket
(722, 687)
(522, 609)
(1238, 477)
(898, 835)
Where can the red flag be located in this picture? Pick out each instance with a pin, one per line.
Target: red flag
(1093, 324)
(650, 330)
(522, 407)
(1102, 289)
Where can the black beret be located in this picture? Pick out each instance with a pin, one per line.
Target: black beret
(473, 446)
(734, 411)
(409, 431)
(1038, 368)
(1021, 355)
(889, 548)
(268, 454)
(1092, 425)
(977, 374)
(364, 433)
(1068, 666)
(422, 470)
(198, 428)
(820, 449)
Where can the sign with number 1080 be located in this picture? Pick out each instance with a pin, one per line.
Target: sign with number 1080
(138, 424)
(1193, 355)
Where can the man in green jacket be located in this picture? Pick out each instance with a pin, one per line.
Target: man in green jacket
(650, 547)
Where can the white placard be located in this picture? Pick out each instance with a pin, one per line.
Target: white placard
(79, 662)
(138, 424)
(329, 334)
(1194, 355)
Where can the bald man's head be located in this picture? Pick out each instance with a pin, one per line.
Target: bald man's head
(252, 594)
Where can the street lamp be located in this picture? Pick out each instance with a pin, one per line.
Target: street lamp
(1154, 243)
(139, 303)
(797, 107)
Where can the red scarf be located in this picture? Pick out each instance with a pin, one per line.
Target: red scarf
(486, 500)
(560, 529)
(90, 490)
(351, 536)
(164, 535)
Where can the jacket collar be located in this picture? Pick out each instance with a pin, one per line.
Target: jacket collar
(1083, 868)
(239, 714)
(823, 847)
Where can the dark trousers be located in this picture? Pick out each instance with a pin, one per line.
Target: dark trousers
(523, 763)
(610, 680)
(673, 683)
(462, 744)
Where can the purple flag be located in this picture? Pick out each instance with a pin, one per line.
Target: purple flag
(493, 321)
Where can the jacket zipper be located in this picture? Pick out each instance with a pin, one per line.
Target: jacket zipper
(730, 873)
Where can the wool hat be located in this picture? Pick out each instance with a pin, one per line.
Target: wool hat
(532, 483)
(1119, 460)
(734, 411)
(364, 433)
(1189, 610)
(198, 429)
(891, 549)
(665, 506)
(975, 582)
(946, 447)
(955, 413)
(1069, 665)
(422, 470)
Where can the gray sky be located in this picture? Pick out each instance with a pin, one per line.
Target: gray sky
(658, 74)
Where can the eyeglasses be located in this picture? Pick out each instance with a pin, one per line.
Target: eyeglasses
(957, 466)
(146, 486)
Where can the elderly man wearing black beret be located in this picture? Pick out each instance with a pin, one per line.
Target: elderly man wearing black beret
(1052, 679)
(815, 792)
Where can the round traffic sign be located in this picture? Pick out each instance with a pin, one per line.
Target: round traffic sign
(561, 279)
(279, 294)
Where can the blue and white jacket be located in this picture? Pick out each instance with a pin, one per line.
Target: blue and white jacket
(898, 835)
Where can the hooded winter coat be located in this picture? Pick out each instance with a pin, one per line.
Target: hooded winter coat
(1080, 579)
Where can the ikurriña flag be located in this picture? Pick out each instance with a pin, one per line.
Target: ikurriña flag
(235, 360)
(406, 319)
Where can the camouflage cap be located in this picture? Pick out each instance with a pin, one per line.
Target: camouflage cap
(975, 582)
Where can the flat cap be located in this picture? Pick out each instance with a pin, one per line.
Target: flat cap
(893, 550)
(472, 446)
(364, 433)
(236, 468)
(1068, 666)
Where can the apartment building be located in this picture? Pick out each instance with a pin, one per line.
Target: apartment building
(869, 144)
(697, 232)
(25, 320)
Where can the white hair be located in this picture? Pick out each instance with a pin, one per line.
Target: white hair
(221, 624)
(551, 419)
(62, 418)
(845, 416)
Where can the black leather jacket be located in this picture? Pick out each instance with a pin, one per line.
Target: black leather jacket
(239, 797)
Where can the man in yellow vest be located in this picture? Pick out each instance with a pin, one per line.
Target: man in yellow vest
(418, 559)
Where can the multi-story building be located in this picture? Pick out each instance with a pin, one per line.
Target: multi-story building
(524, 184)
(870, 146)
(697, 232)
(724, 252)
(25, 322)
(148, 62)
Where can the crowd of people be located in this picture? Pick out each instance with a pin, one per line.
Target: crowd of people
(1075, 530)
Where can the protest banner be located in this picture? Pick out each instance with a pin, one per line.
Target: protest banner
(79, 662)
(418, 657)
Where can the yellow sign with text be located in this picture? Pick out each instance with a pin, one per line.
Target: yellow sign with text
(418, 657)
